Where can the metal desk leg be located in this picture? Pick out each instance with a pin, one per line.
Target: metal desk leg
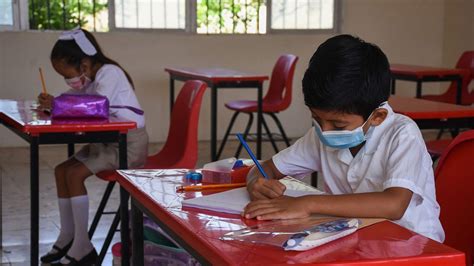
(171, 94)
(459, 89)
(124, 196)
(213, 123)
(259, 121)
(70, 149)
(137, 233)
(34, 200)
(418, 89)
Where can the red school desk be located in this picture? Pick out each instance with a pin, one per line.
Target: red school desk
(36, 128)
(221, 78)
(153, 191)
(421, 74)
(433, 115)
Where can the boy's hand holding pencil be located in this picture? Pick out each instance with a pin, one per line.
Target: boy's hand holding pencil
(261, 188)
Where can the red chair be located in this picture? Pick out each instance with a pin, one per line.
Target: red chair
(466, 61)
(454, 192)
(179, 151)
(278, 99)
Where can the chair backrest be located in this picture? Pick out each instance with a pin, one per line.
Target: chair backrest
(455, 193)
(466, 61)
(281, 82)
(181, 147)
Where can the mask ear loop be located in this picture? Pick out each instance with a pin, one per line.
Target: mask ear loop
(379, 107)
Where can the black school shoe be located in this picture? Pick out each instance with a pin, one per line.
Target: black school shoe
(48, 258)
(87, 260)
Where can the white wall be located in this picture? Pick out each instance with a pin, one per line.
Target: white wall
(409, 31)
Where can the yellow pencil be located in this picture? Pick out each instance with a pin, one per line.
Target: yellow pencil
(42, 81)
(202, 187)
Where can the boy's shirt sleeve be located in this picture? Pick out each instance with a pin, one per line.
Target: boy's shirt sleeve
(301, 158)
(409, 164)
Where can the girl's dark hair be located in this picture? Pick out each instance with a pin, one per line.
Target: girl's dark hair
(71, 53)
(348, 75)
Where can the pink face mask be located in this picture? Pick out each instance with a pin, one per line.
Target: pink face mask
(78, 83)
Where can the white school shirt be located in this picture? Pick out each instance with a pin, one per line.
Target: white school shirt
(394, 155)
(110, 81)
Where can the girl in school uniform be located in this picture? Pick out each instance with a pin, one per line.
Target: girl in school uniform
(79, 59)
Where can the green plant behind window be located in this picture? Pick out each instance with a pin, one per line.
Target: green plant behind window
(64, 14)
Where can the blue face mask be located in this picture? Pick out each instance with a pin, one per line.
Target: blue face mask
(341, 139)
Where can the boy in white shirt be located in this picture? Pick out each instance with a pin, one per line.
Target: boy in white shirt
(374, 162)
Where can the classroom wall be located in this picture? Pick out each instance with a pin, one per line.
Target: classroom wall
(409, 31)
(458, 30)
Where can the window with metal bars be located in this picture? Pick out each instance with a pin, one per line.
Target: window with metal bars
(200, 16)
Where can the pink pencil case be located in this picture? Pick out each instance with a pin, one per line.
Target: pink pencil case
(80, 106)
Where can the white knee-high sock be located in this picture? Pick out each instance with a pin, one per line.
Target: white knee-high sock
(81, 245)
(67, 223)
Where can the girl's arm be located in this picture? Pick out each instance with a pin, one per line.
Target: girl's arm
(390, 204)
(260, 188)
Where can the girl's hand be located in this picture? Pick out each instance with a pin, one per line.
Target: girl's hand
(283, 207)
(260, 188)
(45, 100)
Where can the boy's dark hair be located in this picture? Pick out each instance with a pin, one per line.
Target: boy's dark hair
(347, 75)
(71, 53)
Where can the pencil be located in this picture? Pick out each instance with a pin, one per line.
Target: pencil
(202, 187)
(249, 151)
(42, 81)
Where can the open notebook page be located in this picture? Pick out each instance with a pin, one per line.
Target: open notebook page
(233, 201)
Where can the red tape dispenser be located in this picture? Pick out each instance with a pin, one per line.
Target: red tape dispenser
(226, 171)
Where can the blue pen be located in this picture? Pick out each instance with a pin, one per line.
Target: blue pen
(249, 151)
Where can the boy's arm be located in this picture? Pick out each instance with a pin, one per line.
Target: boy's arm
(259, 188)
(390, 204)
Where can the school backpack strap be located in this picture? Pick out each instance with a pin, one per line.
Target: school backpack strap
(131, 108)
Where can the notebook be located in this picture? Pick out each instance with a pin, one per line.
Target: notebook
(233, 201)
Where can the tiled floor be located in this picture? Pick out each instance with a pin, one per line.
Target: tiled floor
(14, 171)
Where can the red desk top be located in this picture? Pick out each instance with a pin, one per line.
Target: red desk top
(422, 71)
(23, 116)
(423, 109)
(381, 243)
(215, 75)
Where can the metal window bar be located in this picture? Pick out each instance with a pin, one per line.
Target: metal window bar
(33, 15)
(320, 13)
(79, 13)
(234, 17)
(296, 14)
(220, 16)
(137, 16)
(64, 14)
(48, 13)
(246, 15)
(308, 4)
(165, 17)
(207, 16)
(258, 17)
(93, 14)
(151, 14)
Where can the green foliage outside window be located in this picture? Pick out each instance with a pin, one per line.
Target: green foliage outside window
(213, 16)
(63, 14)
(229, 16)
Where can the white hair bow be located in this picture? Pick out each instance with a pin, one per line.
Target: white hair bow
(80, 38)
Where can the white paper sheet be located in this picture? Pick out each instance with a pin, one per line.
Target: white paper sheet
(233, 201)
